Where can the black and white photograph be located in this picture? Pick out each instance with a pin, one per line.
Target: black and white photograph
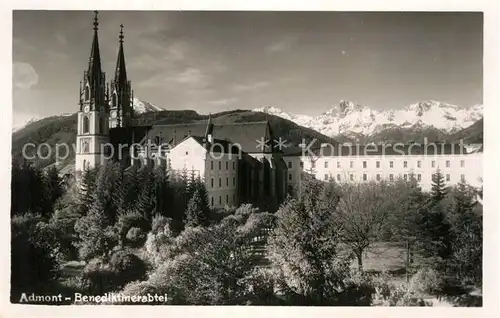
(247, 158)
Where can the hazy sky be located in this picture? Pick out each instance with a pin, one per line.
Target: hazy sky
(302, 62)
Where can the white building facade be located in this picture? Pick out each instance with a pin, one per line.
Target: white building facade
(217, 169)
(455, 166)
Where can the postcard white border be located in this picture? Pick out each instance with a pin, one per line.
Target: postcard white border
(491, 158)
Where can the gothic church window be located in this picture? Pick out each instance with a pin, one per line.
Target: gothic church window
(101, 125)
(113, 100)
(86, 125)
(87, 93)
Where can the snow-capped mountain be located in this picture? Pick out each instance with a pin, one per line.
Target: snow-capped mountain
(348, 118)
(141, 106)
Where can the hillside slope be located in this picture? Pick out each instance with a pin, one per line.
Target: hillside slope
(62, 130)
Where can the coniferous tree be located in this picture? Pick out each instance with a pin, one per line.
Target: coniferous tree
(435, 233)
(181, 196)
(126, 195)
(438, 188)
(146, 200)
(463, 196)
(29, 191)
(197, 212)
(163, 193)
(405, 216)
(95, 233)
(88, 186)
(304, 246)
(467, 227)
(54, 186)
(108, 181)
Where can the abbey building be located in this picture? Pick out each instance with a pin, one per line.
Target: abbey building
(227, 157)
(239, 163)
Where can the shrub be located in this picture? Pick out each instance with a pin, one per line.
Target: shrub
(96, 237)
(426, 281)
(159, 222)
(259, 287)
(389, 294)
(135, 237)
(127, 267)
(128, 221)
(159, 240)
(101, 276)
(98, 277)
(33, 261)
(65, 235)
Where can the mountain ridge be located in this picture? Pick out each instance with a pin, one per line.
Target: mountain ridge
(55, 130)
(354, 121)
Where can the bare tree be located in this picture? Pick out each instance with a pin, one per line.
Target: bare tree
(363, 211)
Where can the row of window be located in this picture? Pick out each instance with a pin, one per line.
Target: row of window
(220, 165)
(220, 182)
(391, 177)
(377, 164)
(220, 199)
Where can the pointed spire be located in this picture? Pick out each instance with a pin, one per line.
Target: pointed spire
(121, 71)
(94, 71)
(210, 126)
(210, 130)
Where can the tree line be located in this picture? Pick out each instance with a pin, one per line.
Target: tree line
(138, 230)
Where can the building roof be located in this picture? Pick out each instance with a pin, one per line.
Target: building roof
(383, 150)
(121, 70)
(246, 135)
(127, 135)
(217, 145)
(94, 71)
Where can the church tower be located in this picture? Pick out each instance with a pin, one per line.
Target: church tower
(121, 104)
(93, 128)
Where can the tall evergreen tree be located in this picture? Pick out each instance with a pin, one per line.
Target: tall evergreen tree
(146, 200)
(405, 214)
(54, 186)
(304, 246)
(29, 191)
(95, 233)
(108, 181)
(163, 193)
(463, 197)
(126, 195)
(438, 187)
(435, 230)
(435, 233)
(88, 186)
(197, 212)
(467, 227)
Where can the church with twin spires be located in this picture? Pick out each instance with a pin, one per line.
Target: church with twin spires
(251, 172)
(225, 156)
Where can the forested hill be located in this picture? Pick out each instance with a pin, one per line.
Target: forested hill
(62, 129)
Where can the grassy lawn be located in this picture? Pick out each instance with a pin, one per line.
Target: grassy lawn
(385, 256)
(71, 269)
